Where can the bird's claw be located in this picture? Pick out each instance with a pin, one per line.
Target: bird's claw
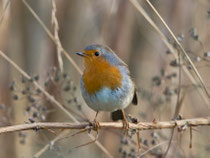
(125, 126)
(95, 124)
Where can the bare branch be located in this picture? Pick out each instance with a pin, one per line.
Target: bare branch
(181, 48)
(170, 47)
(4, 11)
(52, 37)
(178, 105)
(205, 121)
(53, 100)
(57, 39)
(51, 143)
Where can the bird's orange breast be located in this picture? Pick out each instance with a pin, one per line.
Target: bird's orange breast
(99, 73)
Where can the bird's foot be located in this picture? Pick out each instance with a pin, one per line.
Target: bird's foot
(96, 125)
(125, 126)
(125, 122)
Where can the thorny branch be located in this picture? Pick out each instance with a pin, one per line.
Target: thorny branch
(204, 121)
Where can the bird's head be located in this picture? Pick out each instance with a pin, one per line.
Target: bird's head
(96, 54)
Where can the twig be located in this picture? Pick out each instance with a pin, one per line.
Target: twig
(64, 52)
(190, 146)
(57, 39)
(53, 100)
(174, 51)
(178, 104)
(150, 149)
(203, 121)
(51, 143)
(181, 48)
(4, 11)
(88, 143)
(169, 143)
(50, 97)
(138, 141)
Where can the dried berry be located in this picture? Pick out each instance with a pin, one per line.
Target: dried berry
(207, 54)
(12, 86)
(23, 80)
(180, 37)
(197, 59)
(193, 33)
(174, 63)
(67, 88)
(156, 80)
(36, 77)
(31, 99)
(15, 97)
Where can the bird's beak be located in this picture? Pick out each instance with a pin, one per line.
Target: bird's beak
(81, 54)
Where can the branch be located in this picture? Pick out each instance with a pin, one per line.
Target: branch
(181, 124)
(181, 48)
(170, 47)
(65, 53)
(52, 99)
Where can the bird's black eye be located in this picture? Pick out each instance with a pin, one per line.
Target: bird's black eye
(97, 53)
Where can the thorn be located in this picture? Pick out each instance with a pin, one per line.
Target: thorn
(138, 140)
(190, 145)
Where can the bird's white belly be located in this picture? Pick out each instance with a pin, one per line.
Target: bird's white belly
(106, 100)
(109, 100)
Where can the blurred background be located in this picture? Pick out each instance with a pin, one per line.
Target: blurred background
(154, 68)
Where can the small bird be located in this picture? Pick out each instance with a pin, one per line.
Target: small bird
(106, 84)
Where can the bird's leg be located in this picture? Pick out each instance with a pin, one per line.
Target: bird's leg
(96, 124)
(95, 116)
(125, 122)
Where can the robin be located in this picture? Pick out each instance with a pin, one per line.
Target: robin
(106, 83)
